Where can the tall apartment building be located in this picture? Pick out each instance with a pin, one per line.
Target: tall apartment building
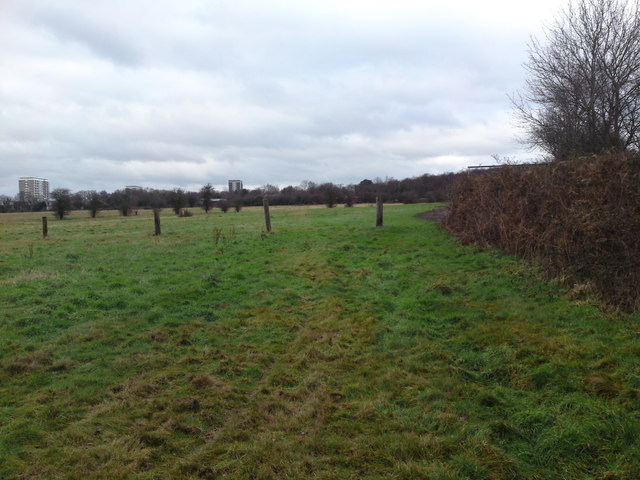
(235, 186)
(33, 188)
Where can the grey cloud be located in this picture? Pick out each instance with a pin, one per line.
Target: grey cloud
(158, 92)
(107, 40)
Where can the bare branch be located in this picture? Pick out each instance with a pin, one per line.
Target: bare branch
(583, 91)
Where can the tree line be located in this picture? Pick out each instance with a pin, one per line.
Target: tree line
(425, 188)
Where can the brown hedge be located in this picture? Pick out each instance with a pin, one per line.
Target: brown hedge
(579, 219)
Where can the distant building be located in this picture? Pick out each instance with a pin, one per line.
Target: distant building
(33, 189)
(133, 187)
(235, 186)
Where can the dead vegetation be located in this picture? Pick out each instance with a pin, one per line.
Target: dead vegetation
(28, 276)
(580, 219)
(30, 362)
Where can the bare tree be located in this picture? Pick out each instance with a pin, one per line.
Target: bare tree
(124, 202)
(94, 205)
(177, 200)
(330, 194)
(582, 95)
(6, 204)
(61, 202)
(206, 193)
(348, 199)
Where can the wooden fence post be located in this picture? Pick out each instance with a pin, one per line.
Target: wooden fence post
(379, 211)
(267, 217)
(45, 229)
(156, 220)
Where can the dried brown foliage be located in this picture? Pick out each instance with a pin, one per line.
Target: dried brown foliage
(579, 219)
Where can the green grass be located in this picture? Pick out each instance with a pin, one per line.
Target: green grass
(327, 350)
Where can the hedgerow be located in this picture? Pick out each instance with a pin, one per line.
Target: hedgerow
(579, 219)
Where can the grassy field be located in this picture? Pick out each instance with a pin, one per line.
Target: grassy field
(326, 350)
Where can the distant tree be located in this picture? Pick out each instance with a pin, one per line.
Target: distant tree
(582, 94)
(224, 206)
(177, 200)
(124, 205)
(330, 195)
(348, 199)
(106, 199)
(39, 206)
(77, 201)
(22, 202)
(206, 193)
(269, 189)
(6, 203)
(61, 202)
(136, 197)
(307, 185)
(408, 197)
(155, 199)
(120, 200)
(192, 199)
(237, 204)
(124, 208)
(94, 205)
(366, 191)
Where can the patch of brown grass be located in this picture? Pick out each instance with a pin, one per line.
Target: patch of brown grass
(28, 363)
(29, 276)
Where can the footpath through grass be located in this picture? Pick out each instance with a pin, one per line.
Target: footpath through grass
(328, 350)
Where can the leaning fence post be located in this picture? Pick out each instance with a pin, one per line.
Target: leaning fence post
(156, 220)
(267, 217)
(45, 229)
(379, 211)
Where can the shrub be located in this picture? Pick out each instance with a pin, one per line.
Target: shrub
(579, 219)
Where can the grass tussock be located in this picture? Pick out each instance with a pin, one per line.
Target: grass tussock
(28, 363)
(580, 219)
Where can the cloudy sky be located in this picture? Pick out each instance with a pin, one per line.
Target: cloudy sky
(163, 93)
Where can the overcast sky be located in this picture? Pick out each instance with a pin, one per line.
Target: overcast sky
(164, 93)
